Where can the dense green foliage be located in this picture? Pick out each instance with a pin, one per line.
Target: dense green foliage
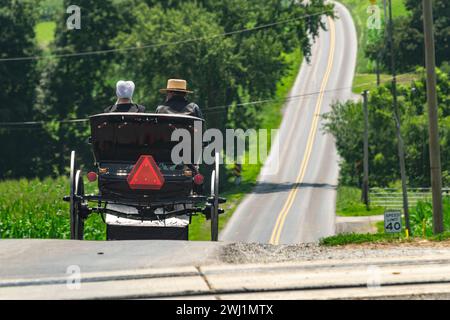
(77, 87)
(156, 40)
(48, 10)
(345, 122)
(409, 40)
(360, 13)
(422, 218)
(17, 84)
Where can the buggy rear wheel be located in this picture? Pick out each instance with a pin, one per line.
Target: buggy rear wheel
(215, 202)
(76, 201)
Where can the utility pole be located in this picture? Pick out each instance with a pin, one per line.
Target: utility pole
(381, 53)
(435, 154)
(365, 186)
(401, 150)
(377, 69)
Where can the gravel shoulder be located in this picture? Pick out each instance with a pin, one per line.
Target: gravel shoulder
(242, 253)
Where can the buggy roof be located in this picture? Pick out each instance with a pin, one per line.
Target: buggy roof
(143, 115)
(124, 137)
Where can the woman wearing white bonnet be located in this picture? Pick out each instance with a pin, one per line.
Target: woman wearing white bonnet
(124, 93)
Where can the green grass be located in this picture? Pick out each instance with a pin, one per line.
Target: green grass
(34, 209)
(377, 238)
(368, 81)
(348, 203)
(353, 238)
(45, 33)
(271, 119)
(31, 209)
(365, 78)
(421, 217)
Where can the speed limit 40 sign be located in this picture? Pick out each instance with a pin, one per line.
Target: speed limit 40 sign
(393, 221)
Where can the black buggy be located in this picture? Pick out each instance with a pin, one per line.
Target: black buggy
(138, 182)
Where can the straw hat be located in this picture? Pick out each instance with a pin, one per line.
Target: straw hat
(177, 85)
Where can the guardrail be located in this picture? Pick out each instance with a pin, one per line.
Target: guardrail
(392, 198)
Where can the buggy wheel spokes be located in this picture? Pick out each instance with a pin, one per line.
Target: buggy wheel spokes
(79, 221)
(72, 196)
(215, 202)
(76, 195)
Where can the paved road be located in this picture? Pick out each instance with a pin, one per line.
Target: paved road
(46, 269)
(298, 203)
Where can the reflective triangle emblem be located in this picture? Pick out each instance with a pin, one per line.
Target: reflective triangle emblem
(145, 175)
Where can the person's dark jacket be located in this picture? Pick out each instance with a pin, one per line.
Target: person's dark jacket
(125, 107)
(180, 105)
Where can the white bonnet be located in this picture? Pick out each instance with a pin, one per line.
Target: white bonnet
(125, 89)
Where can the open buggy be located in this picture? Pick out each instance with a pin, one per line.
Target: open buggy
(142, 193)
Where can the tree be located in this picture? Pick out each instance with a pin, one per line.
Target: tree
(150, 41)
(50, 9)
(207, 63)
(409, 39)
(78, 86)
(224, 70)
(345, 123)
(17, 84)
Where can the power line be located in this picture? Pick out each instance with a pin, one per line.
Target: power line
(207, 110)
(32, 123)
(158, 45)
(219, 108)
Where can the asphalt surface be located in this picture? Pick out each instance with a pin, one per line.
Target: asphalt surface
(64, 269)
(297, 204)
(44, 258)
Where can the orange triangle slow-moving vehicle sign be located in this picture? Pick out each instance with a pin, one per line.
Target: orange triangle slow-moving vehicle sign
(145, 174)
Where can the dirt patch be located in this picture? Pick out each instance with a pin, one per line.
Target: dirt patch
(365, 224)
(265, 253)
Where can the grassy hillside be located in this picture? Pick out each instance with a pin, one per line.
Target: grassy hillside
(348, 203)
(45, 33)
(358, 10)
(365, 78)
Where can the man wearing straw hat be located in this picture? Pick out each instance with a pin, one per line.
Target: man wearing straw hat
(124, 103)
(176, 101)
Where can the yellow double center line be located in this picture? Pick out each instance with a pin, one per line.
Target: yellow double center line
(276, 233)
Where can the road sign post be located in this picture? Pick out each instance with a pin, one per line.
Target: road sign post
(237, 173)
(401, 149)
(365, 191)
